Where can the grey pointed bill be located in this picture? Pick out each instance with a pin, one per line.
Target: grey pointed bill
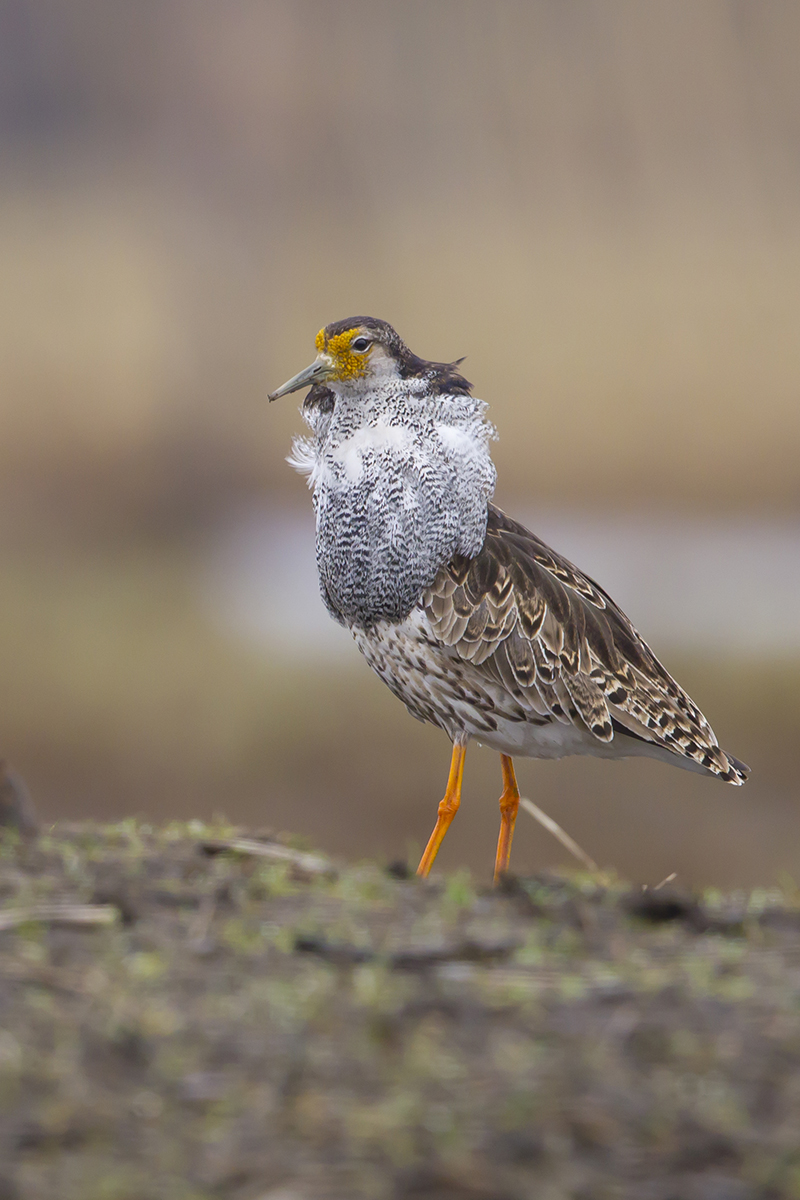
(318, 371)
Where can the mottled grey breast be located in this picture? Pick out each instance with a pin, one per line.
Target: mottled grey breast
(401, 483)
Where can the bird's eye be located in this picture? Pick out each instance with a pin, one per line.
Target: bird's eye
(360, 344)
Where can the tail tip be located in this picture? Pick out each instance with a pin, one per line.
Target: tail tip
(738, 771)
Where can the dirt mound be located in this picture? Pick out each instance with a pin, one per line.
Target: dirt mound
(188, 1014)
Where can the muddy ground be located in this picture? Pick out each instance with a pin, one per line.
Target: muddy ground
(220, 1024)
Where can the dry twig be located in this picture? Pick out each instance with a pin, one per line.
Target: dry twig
(311, 864)
(59, 914)
(553, 827)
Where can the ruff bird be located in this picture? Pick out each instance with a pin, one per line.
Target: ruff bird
(471, 620)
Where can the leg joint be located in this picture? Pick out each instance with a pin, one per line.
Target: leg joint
(509, 803)
(449, 806)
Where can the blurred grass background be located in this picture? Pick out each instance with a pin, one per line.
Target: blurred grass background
(597, 202)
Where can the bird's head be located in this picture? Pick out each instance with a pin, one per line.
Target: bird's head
(351, 355)
(360, 353)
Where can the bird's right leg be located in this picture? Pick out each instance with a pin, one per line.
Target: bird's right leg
(448, 807)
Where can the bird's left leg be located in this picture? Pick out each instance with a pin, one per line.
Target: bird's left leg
(509, 804)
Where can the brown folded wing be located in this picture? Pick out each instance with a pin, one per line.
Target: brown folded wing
(527, 619)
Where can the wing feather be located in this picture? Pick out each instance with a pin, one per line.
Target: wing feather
(561, 649)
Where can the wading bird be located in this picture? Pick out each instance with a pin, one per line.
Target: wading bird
(472, 621)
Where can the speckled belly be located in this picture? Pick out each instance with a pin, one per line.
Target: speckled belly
(438, 686)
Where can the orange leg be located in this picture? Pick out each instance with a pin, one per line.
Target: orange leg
(448, 807)
(509, 804)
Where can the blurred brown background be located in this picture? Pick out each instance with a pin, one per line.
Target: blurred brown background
(597, 202)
